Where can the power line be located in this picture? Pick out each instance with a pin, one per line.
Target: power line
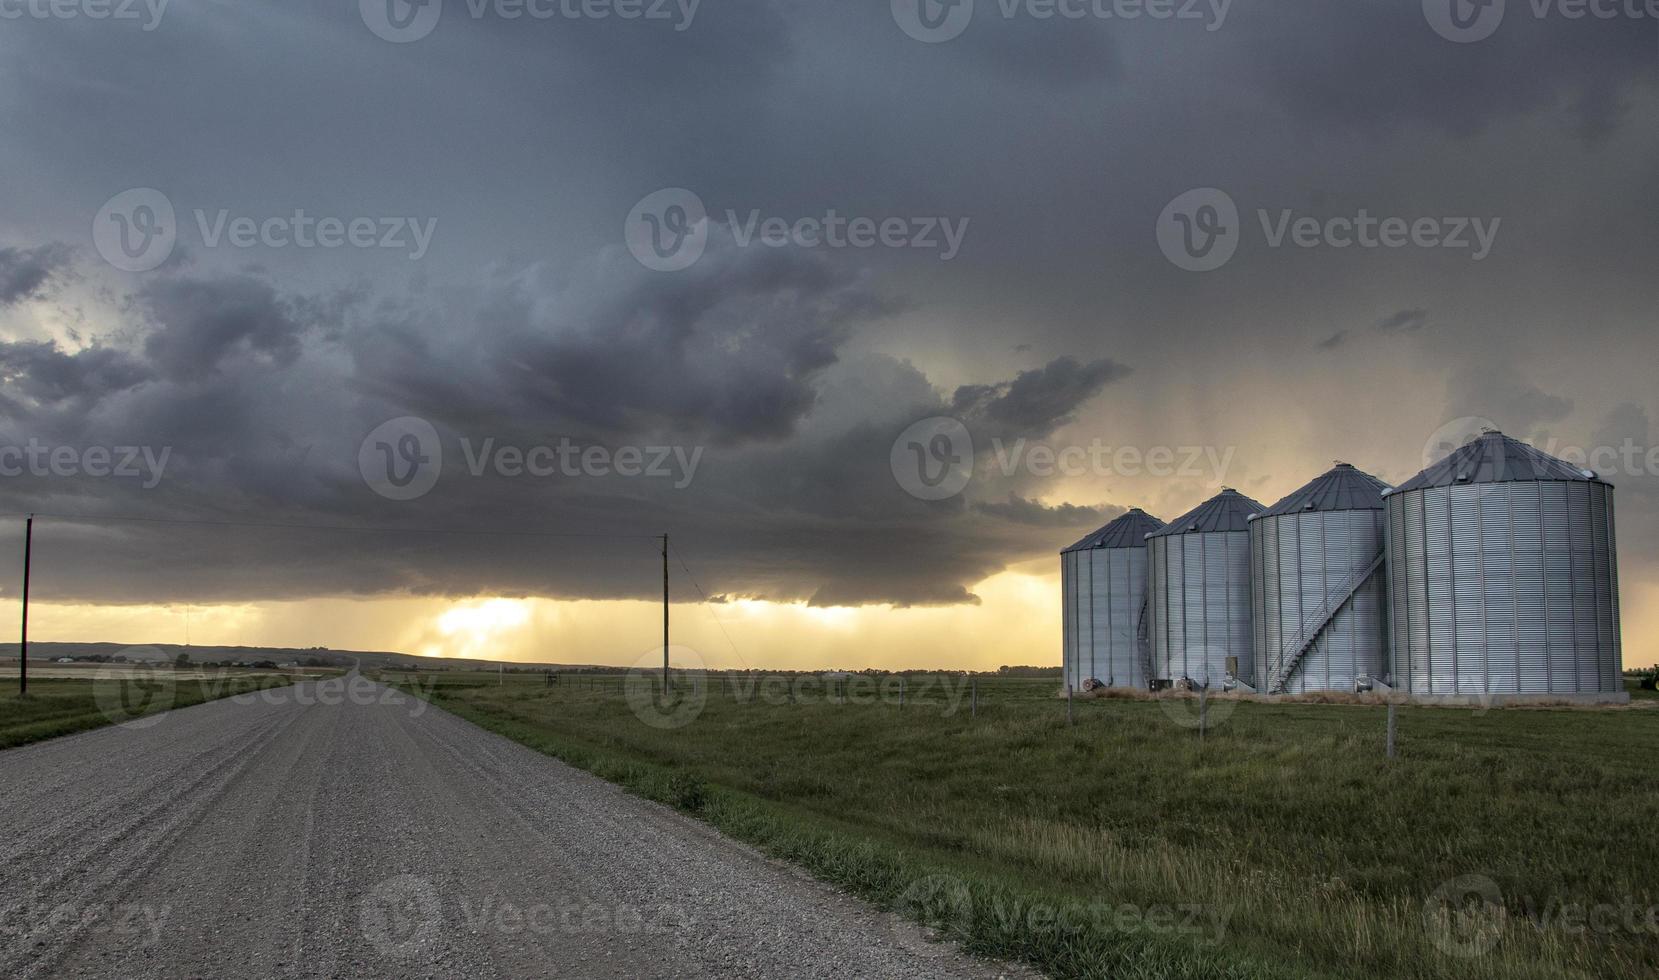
(295, 526)
(483, 532)
(708, 604)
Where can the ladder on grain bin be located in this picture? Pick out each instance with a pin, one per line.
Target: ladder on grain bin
(1143, 639)
(1314, 626)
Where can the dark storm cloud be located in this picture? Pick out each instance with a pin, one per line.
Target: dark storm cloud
(26, 273)
(41, 373)
(1405, 321)
(795, 371)
(1398, 324)
(263, 398)
(200, 323)
(725, 351)
(1377, 63)
(1622, 450)
(1032, 513)
(1053, 52)
(1624, 422)
(1035, 402)
(1499, 392)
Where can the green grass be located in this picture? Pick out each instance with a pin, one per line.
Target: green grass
(1287, 822)
(57, 707)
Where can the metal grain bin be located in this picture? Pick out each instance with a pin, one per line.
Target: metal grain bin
(1103, 581)
(1318, 592)
(1199, 579)
(1503, 578)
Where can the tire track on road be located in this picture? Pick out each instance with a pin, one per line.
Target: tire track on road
(372, 836)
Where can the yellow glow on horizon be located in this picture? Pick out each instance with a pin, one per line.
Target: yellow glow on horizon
(482, 626)
(842, 617)
(1016, 622)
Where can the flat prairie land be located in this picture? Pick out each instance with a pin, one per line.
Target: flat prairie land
(1510, 843)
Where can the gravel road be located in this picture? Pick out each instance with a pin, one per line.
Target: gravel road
(340, 829)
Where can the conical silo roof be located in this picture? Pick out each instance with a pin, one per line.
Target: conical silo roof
(1228, 510)
(1340, 488)
(1496, 458)
(1128, 531)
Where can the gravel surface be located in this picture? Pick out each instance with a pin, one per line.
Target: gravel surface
(340, 829)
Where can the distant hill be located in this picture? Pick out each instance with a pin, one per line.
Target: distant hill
(207, 654)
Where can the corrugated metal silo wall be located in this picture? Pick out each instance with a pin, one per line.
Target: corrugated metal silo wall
(1297, 561)
(1069, 615)
(1103, 590)
(1200, 605)
(1504, 588)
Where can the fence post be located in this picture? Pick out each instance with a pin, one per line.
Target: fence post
(23, 643)
(1391, 728)
(1068, 702)
(1203, 711)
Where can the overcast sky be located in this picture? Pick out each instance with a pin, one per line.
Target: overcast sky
(1220, 247)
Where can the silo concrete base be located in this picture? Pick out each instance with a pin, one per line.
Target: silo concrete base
(1106, 691)
(1519, 700)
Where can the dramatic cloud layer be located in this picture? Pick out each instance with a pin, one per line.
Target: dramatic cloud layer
(262, 400)
(26, 272)
(777, 376)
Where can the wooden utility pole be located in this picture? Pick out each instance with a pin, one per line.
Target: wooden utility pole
(665, 615)
(23, 643)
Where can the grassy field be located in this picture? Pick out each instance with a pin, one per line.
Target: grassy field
(63, 706)
(1499, 844)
